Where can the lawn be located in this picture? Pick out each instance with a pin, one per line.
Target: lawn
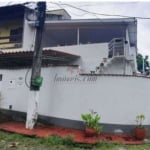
(11, 141)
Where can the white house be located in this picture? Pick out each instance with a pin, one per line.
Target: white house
(87, 64)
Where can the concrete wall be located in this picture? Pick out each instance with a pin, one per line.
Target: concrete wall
(28, 36)
(118, 66)
(66, 94)
(91, 54)
(13, 89)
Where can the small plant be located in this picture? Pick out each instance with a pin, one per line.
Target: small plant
(139, 120)
(92, 120)
(140, 130)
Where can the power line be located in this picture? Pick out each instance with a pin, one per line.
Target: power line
(94, 13)
(76, 14)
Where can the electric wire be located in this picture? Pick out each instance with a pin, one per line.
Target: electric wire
(76, 14)
(101, 14)
(89, 12)
(26, 83)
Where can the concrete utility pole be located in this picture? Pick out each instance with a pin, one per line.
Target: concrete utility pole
(36, 79)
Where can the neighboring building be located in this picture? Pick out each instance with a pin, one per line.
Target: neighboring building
(59, 14)
(87, 64)
(11, 26)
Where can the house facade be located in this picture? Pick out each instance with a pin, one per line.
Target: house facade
(87, 64)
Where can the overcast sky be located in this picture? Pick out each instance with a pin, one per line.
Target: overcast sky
(141, 9)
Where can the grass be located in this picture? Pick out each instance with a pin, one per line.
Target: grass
(11, 141)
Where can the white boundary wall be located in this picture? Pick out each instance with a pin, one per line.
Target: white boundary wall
(66, 94)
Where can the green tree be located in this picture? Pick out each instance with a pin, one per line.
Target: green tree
(140, 62)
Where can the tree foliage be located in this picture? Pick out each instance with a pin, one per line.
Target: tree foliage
(140, 59)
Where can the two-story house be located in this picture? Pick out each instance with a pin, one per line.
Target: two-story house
(87, 64)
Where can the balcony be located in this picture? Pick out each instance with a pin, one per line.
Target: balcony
(118, 47)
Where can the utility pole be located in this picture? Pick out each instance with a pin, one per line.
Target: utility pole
(36, 79)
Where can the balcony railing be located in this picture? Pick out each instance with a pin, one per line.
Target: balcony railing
(117, 47)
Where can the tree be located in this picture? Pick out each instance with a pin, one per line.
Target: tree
(140, 59)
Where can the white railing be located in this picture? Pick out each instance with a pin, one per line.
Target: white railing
(118, 47)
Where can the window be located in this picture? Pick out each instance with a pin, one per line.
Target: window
(100, 34)
(16, 35)
(60, 37)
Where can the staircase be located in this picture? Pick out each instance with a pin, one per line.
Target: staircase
(118, 53)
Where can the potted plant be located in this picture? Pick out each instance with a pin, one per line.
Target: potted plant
(91, 121)
(140, 131)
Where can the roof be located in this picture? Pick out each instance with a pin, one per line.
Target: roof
(11, 11)
(61, 12)
(94, 21)
(24, 58)
(9, 7)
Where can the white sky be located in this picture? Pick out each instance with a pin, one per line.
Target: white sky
(124, 7)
